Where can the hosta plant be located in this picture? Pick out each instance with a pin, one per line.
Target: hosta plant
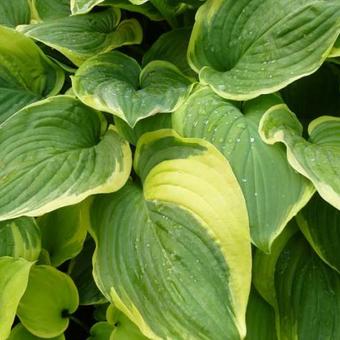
(170, 169)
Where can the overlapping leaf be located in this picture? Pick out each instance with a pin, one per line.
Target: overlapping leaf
(14, 12)
(190, 215)
(19, 332)
(243, 48)
(50, 9)
(55, 153)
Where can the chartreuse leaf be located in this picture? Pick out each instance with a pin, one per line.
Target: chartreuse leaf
(14, 12)
(260, 318)
(174, 255)
(114, 82)
(50, 298)
(51, 9)
(308, 293)
(19, 332)
(157, 122)
(83, 36)
(335, 52)
(20, 237)
(318, 159)
(320, 223)
(80, 270)
(262, 170)
(124, 328)
(64, 232)
(23, 82)
(172, 46)
(55, 153)
(101, 331)
(13, 281)
(243, 48)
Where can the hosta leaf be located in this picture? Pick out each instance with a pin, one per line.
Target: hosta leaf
(318, 158)
(260, 318)
(172, 46)
(115, 83)
(124, 328)
(21, 82)
(243, 49)
(101, 331)
(262, 170)
(84, 6)
(14, 12)
(80, 270)
(320, 223)
(55, 153)
(83, 36)
(335, 52)
(174, 256)
(157, 122)
(20, 238)
(19, 332)
(308, 293)
(51, 9)
(50, 298)
(64, 232)
(13, 281)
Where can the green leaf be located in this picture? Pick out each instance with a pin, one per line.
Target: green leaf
(262, 170)
(174, 256)
(23, 82)
(80, 270)
(115, 83)
(50, 298)
(13, 281)
(101, 331)
(55, 153)
(172, 46)
(84, 6)
(320, 223)
(318, 159)
(64, 232)
(308, 293)
(20, 238)
(51, 9)
(19, 332)
(14, 12)
(260, 318)
(247, 48)
(335, 52)
(83, 36)
(153, 123)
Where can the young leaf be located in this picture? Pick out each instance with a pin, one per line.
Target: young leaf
(50, 298)
(318, 159)
(64, 232)
(13, 281)
(335, 52)
(247, 48)
(55, 153)
(14, 12)
(83, 36)
(20, 237)
(174, 256)
(23, 82)
(115, 83)
(274, 192)
(308, 293)
(101, 331)
(19, 332)
(320, 223)
(51, 9)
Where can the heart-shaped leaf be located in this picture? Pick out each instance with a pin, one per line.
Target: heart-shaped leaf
(115, 83)
(243, 48)
(51, 9)
(55, 153)
(273, 191)
(320, 223)
(14, 12)
(83, 36)
(19, 332)
(20, 237)
(50, 298)
(190, 216)
(318, 158)
(13, 281)
(23, 82)
(101, 331)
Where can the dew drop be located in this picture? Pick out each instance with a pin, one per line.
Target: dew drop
(252, 139)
